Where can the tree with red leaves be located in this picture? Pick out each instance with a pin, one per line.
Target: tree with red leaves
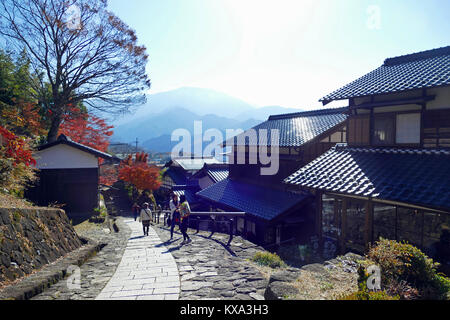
(139, 174)
(81, 52)
(16, 161)
(87, 129)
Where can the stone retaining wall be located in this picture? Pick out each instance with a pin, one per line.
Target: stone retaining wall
(31, 239)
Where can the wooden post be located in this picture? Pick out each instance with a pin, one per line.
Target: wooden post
(319, 217)
(343, 226)
(368, 224)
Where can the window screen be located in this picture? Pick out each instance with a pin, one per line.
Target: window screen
(383, 133)
(408, 128)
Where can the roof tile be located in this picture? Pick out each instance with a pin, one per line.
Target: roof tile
(405, 175)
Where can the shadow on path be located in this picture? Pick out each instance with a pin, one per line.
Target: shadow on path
(227, 248)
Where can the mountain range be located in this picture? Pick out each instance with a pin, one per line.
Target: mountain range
(154, 122)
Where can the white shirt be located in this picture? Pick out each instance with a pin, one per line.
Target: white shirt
(172, 207)
(146, 215)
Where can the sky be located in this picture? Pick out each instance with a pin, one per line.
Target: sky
(281, 52)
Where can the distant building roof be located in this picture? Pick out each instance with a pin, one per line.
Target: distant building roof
(415, 176)
(187, 191)
(216, 171)
(193, 163)
(62, 139)
(298, 128)
(427, 69)
(176, 175)
(262, 202)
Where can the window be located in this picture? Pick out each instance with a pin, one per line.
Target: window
(408, 128)
(383, 133)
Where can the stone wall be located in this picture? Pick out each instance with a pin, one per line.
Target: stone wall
(32, 238)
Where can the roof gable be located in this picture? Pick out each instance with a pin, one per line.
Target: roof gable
(62, 139)
(427, 69)
(296, 129)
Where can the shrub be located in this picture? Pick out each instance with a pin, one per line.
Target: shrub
(369, 295)
(406, 271)
(268, 259)
(16, 162)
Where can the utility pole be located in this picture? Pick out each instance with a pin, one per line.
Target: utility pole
(136, 145)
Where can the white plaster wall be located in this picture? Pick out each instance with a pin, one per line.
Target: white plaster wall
(442, 100)
(64, 157)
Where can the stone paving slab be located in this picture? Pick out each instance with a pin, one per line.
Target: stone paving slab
(147, 270)
(209, 270)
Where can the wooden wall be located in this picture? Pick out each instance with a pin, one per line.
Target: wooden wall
(76, 188)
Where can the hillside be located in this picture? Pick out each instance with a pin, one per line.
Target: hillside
(155, 130)
(154, 122)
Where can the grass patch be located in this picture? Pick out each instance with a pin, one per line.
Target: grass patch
(268, 259)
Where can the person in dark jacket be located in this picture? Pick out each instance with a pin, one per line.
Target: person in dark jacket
(136, 210)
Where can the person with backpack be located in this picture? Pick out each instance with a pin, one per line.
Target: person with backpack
(145, 217)
(174, 205)
(185, 211)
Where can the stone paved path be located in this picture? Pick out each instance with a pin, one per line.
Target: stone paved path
(211, 271)
(147, 270)
(96, 272)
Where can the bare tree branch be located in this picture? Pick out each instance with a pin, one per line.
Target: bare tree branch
(99, 63)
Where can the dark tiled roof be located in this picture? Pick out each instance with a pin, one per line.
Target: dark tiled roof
(262, 202)
(425, 69)
(415, 176)
(176, 175)
(217, 172)
(218, 175)
(298, 128)
(62, 139)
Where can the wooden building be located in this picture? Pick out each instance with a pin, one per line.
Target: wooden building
(178, 170)
(392, 177)
(205, 177)
(68, 175)
(274, 215)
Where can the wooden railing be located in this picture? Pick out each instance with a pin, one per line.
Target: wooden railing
(230, 218)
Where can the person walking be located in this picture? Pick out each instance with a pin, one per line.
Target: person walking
(185, 211)
(135, 209)
(174, 205)
(145, 217)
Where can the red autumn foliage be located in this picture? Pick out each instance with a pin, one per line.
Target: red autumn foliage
(87, 129)
(25, 118)
(109, 174)
(16, 148)
(138, 173)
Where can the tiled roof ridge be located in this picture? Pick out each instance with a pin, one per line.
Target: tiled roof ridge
(319, 112)
(223, 166)
(391, 150)
(417, 56)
